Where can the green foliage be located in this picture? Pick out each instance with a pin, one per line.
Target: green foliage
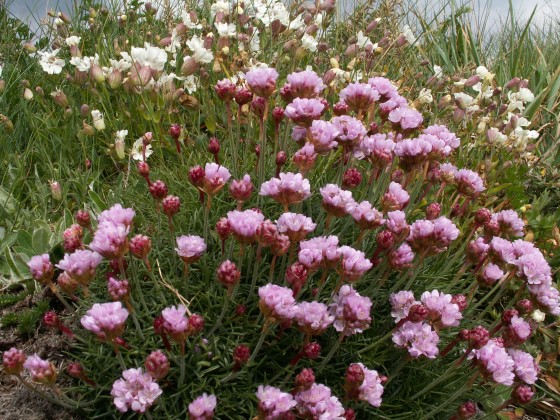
(27, 320)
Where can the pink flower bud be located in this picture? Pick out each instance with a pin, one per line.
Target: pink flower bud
(196, 176)
(143, 169)
(171, 205)
(312, 350)
(524, 306)
(175, 131)
(305, 379)
(157, 365)
(241, 355)
(243, 96)
(433, 211)
(228, 274)
(214, 146)
(522, 394)
(355, 375)
(158, 189)
(351, 178)
(12, 361)
(140, 246)
(467, 410)
(223, 228)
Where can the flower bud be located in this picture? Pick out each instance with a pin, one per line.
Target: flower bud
(27, 94)
(171, 205)
(351, 178)
(158, 189)
(214, 146)
(355, 375)
(12, 361)
(120, 149)
(467, 410)
(305, 379)
(196, 176)
(524, 306)
(417, 313)
(228, 274)
(189, 67)
(522, 394)
(98, 120)
(143, 169)
(56, 191)
(140, 246)
(312, 350)
(385, 239)
(241, 354)
(59, 97)
(433, 211)
(157, 365)
(196, 324)
(508, 314)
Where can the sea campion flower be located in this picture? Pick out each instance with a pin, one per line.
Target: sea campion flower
(262, 81)
(41, 371)
(203, 407)
(442, 311)
(418, 338)
(495, 363)
(105, 320)
(288, 189)
(469, 183)
(81, 265)
(277, 303)
(244, 224)
(323, 135)
(303, 111)
(354, 264)
(351, 311)
(215, 177)
(313, 317)
(295, 226)
(317, 402)
(41, 268)
(359, 96)
(366, 216)
(396, 197)
(136, 391)
(190, 248)
(337, 202)
(273, 403)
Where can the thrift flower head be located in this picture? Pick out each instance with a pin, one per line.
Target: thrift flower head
(190, 248)
(432, 236)
(412, 152)
(406, 118)
(419, 338)
(277, 303)
(41, 268)
(241, 189)
(304, 158)
(490, 275)
(378, 149)
(323, 136)
(384, 87)
(106, 320)
(396, 223)
(371, 388)
(354, 264)
(273, 403)
(80, 265)
(176, 324)
(288, 189)
(396, 198)
(401, 303)
(317, 402)
(469, 183)
(401, 257)
(441, 310)
(320, 251)
(13, 360)
(313, 317)
(495, 363)
(351, 130)
(336, 201)
(41, 371)
(203, 407)
(215, 177)
(351, 311)
(295, 226)
(303, 111)
(262, 81)
(510, 223)
(136, 391)
(117, 215)
(359, 96)
(305, 84)
(244, 224)
(110, 240)
(524, 366)
(366, 216)
(449, 139)
(517, 332)
(157, 364)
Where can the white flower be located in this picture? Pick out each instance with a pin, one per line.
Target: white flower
(150, 56)
(98, 121)
(487, 93)
(120, 65)
(464, 99)
(319, 18)
(191, 83)
(200, 54)
(438, 72)
(73, 40)
(174, 44)
(363, 41)
(297, 23)
(525, 95)
(484, 73)
(255, 42)
(219, 6)
(136, 150)
(188, 22)
(538, 316)
(225, 29)
(121, 134)
(425, 96)
(268, 11)
(1, 69)
(408, 34)
(460, 83)
(496, 135)
(50, 63)
(85, 63)
(309, 43)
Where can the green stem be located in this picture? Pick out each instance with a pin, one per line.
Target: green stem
(333, 350)
(230, 297)
(182, 365)
(45, 396)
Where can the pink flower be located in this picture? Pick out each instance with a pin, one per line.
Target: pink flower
(190, 248)
(12, 361)
(495, 363)
(241, 189)
(305, 84)
(295, 226)
(510, 223)
(244, 224)
(448, 172)
(157, 365)
(136, 391)
(359, 96)
(431, 237)
(303, 111)
(117, 215)
(288, 189)
(299, 134)
(441, 310)
(351, 130)
(41, 371)
(262, 81)
(336, 201)
(323, 136)
(351, 311)
(106, 320)
(203, 407)
(118, 289)
(176, 323)
(313, 317)
(517, 332)
(490, 275)
(41, 268)
(548, 298)
(502, 249)
(320, 251)
(396, 102)
(354, 264)
(412, 152)
(384, 88)
(225, 89)
(469, 183)
(277, 302)
(371, 388)
(477, 250)
(317, 402)
(80, 265)
(110, 240)
(525, 367)
(305, 157)
(401, 303)
(396, 223)
(450, 140)
(273, 403)
(406, 118)
(419, 338)
(396, 198)
(379, 149)
(215, 177)
(366, 216)
(401, 257)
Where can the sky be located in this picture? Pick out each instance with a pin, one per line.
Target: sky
(498, 9)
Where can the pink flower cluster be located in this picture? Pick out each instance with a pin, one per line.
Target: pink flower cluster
(203, 407)
(317, 402)
(351, 311)
(136, 391)
(431, 237)
(110, 240)
(190, 248)
(105, 320)
(273, 403)
(288, 189)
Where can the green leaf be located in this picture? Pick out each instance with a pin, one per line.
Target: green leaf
(99, 204)
(41, 240)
